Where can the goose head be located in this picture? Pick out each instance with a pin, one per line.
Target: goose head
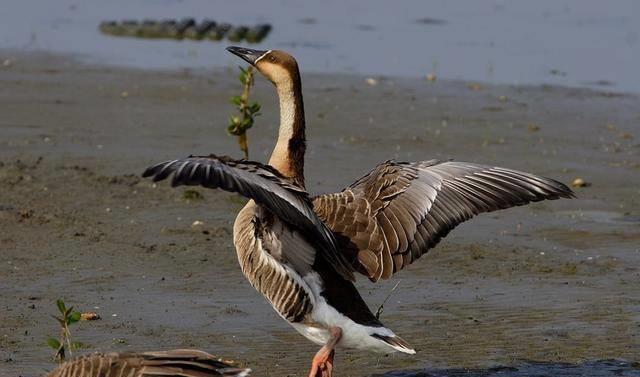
(276, 65)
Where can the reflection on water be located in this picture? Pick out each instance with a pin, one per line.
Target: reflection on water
(600, 368)
(587, 43)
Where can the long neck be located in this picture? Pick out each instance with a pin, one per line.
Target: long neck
(288, 155)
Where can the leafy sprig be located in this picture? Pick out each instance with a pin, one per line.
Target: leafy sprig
(239, 124)
(67, 317)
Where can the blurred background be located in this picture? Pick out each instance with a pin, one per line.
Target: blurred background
(578, 43)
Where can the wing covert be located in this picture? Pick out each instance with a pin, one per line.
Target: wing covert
(400, 210)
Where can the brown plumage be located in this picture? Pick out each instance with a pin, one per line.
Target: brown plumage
(301, 253)
(263, 246)
(174, 363)
(397, 212)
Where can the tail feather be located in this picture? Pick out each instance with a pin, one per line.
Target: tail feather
(396, 342)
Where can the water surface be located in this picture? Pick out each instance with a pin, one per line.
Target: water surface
(599, 368)
(576, 43)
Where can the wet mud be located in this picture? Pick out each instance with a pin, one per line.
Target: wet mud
(600, 368)
(554, 282)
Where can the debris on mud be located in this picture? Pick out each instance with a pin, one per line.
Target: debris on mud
(579, 182)
(89, 316)
(191, 194)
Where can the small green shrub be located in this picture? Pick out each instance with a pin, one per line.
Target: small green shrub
(67, 317)
(239, 124)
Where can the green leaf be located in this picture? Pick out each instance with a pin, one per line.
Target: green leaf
(77, 345)
(61, 306)
(53, 343)
(232, 129)
(234, 120)
(243, 76)
(254, 108)
(74, 317)
(236, 100)
(246, 123)
(68, 312)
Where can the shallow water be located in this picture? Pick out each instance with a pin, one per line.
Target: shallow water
(600, 368)
(554, 281)
(577, 43)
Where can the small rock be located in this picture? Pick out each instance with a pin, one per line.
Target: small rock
(371, 81)
(89, 316)
(25, 213)
(533, 127)
(503, 98)
(579, 182)
(625, 135)
(431, 77)
(124, 94)
(7, 63)
(474, 86)
(192, 195)
(197, 223)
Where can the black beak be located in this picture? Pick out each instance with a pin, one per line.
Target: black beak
(249, 55)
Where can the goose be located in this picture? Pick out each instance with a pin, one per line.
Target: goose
(303, 252)
(174, 363)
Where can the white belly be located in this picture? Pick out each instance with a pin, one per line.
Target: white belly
(325, 316)
(353, 335)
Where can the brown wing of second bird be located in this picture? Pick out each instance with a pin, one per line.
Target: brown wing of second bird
(398, 211)
(174, 363)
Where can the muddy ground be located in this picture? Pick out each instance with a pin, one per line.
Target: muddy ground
(554, 281)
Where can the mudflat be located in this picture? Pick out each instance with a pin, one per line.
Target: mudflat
(554, 281)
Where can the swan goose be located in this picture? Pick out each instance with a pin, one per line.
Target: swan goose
(301, 252)
(174, 363)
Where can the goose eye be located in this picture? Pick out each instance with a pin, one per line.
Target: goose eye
(272, 58)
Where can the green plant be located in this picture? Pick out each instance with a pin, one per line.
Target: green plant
(239, 124)
(67, 317)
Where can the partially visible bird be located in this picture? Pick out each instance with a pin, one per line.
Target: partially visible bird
(301, 252)
(174, 363)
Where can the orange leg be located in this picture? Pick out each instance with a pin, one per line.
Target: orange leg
(322, 365)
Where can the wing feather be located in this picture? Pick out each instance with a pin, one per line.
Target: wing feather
(414, 205)
(174, 363)
(263, 184)
(389, 231)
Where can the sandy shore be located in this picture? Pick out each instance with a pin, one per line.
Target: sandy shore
(555, 281)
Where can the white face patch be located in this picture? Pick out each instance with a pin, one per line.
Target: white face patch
(261, 56)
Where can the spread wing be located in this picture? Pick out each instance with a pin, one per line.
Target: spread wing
(176, 363)
(397, 212)
(266, 186)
